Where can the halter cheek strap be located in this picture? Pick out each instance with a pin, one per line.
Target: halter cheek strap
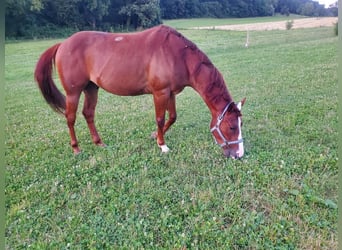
(217, 128)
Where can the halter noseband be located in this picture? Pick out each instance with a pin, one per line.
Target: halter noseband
(217, 128)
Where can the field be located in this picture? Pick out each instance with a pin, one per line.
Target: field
(200, 22)
(258, 23)
(281, 195)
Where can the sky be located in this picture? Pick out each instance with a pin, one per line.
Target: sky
(326, 2)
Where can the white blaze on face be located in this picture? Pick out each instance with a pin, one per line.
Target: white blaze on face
(240, 151)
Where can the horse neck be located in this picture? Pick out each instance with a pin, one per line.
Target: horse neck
(213, 91)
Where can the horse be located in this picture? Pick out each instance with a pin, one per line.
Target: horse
(158, 61)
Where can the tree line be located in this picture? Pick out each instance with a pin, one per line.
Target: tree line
(48, 18)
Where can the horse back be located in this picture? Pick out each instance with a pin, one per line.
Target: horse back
(124, 63)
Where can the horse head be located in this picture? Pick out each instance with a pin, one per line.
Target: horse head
(227, 130)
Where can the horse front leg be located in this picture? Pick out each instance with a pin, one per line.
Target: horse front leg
(172, 113)
(161, 103)
(172, 116)
(90, 101)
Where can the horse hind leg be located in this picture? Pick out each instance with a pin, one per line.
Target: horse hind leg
(90, 101)
(70, 114)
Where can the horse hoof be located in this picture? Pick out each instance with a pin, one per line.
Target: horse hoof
(101, 144)
(164, 148)
(154, 135)
(77, 151)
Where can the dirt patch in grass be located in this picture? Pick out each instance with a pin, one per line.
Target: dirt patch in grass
(279, 25)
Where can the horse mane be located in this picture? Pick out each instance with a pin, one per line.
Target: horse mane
(168, 30)
(216, 84)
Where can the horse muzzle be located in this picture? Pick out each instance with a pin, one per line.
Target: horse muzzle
(233, 153)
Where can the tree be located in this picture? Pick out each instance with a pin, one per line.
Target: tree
(213, 9)
(94, 11)
(307, 9)
(63, 13)
(46, 18)
(142, 13)
(19, 15)
(172, 9)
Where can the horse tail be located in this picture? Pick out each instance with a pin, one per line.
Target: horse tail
(43, 76)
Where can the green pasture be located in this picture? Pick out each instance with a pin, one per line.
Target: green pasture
(197, 22)
(281, 195)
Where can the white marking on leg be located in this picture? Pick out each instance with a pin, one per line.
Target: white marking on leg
(164, 148)
(240, 151)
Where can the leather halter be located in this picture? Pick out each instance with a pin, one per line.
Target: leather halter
(217, 128)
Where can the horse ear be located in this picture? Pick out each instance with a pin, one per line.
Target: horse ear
(243, 101)
(240, 104)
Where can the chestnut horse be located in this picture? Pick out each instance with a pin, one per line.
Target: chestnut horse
(158, 61)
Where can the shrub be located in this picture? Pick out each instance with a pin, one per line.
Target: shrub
(289, 24)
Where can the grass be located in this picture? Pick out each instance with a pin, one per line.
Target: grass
(281, 195)
(196, 22)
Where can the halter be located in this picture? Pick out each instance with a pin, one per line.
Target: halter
(217, 128)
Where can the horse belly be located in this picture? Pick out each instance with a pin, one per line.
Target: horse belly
(123, 83)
